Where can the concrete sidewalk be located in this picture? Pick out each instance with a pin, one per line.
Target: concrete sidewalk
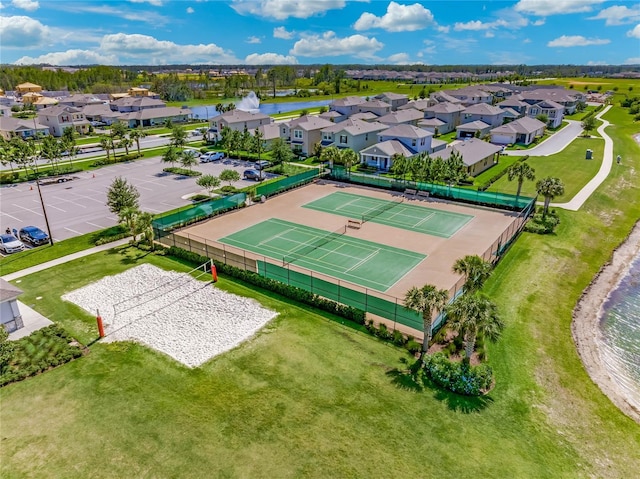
(554, 144)
(605, 168)
(64, 259)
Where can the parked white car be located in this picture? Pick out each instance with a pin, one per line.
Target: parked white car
(10, 244)
(211, 156)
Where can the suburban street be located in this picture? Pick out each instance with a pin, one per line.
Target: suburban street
(79, 206)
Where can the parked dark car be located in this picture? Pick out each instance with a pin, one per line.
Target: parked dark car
(33, 235)
(251, 175)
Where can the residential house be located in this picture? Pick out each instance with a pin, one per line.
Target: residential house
(499, 92)
(364, 116)
(473, 129)
(10, 127)
(10, 317)
(129, 104)
(554, 112)
(414, 138)
(568, 99)
(514, 103)
(270, 132)
(443, 97)
(523, 130)
(396, 100)
(434, 125)
(80, 100)
(332, 116)
(352, 133)
(378, 107)
(407, 117)
(303, 133)
(59, 117)
(44, 102)
(491, 115)
(27, 87)
(510, 115)
(477, 155)
(238, 120)
(420, 105)
(346, 106)
(101, 112)
(155, 116)
(449, 113)
(31, 97)
(471, 95)
(381, 155)
(5, 110)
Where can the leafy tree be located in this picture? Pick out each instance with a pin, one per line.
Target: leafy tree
(399, 165)
(473, 315)
(106, 142)
(475, 270)
(6, 153)
(589, 124)
(51, 150)
(257, 143)
(230, 176)
(521, 171)
(144, 226)
(187, 160)
(68, 143)
(209, 182)
(136, 135)
(317, 149)
(122, 195)
(549, 188)
(245, 140)
(178, 137)
(6, 350)
(331, 155)
(280, 151)
(235, 141)
(349, 158)
(453, 169)
(22, 153)
(127, 217)
(427, 300)
(543, 118)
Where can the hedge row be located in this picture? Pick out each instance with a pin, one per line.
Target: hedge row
(182, 171)
(593, 112)
(14, 176)
(458, 377)
(117, 159)
(291, 292)
(497, 176)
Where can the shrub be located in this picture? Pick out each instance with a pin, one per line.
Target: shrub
(291, 292)
(459, 378)
(384, 333)
(413, 346)
(6, 178)
(398, 338)
(543, 225)
(109, 239)
(182, 171)
(497, 176)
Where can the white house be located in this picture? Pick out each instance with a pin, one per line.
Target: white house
(238, 120)
(10, 317)
(354, 134)
(303, 133)
(59, 117)
(523, 130)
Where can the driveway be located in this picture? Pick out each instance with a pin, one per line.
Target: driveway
(79, 206)
(554, 144)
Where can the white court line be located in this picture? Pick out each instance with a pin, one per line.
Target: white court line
(276, 236)
(423, 220)
(364, 260)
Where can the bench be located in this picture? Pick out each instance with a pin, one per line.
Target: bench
(355, 224)
(410, 192)
(423, 194)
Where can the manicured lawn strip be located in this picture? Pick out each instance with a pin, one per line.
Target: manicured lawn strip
(569, 165)
(42, 254)
(306, 397)
(504, 162)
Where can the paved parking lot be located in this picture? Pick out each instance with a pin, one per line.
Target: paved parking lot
(79, 206)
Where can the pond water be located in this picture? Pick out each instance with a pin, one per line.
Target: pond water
(266, 108)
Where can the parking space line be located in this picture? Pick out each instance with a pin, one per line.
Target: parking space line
(56, 208)
(11, 216)
(28, 209)
(93, 224)
(73, 231)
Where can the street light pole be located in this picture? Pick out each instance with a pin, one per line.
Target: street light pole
(46, 219)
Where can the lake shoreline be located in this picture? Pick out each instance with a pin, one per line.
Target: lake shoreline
(585, 326)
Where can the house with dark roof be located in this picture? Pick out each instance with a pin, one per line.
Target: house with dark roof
(471, 95)
(523, 130)
(420, 105)
(553, 111)
(155, 116)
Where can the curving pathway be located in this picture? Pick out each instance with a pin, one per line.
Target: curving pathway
(554, 144)
(605, 168)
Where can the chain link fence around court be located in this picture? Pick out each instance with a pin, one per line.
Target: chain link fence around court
(287, 183)
(485, 198)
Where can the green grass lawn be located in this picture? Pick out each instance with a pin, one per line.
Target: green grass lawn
(568, 165)
(308, 397)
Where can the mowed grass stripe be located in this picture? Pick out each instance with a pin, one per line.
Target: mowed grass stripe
(358, 261)
(424, 220)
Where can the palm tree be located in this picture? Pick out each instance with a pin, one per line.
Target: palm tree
(473, 315)
(51, 150)
(127, 217)
(187, 160)
(136, 135)
(549, 188)
(6, 153)
(349, 157)
(106, 142)
(125, 142)
(475, 271)
(170, 155)
(332, 155)
(178, 137)
(521, 171)
(399, 165)
(257, 143)
(427, 300)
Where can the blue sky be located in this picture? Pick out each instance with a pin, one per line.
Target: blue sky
(157, 32)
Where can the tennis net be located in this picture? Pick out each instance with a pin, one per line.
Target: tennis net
(314, 244)
(369, 215)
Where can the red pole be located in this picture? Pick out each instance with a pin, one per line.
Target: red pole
(100, 325)
(214, 272)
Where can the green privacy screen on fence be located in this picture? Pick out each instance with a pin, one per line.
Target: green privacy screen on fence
(286, 183)
(199, 212)
(496, 199)
(390, 309)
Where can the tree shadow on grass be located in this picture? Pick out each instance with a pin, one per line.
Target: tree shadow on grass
(408, 379)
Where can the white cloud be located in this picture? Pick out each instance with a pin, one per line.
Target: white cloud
(157, 3)
(70, 57)
(399, 18)
(29, 5)
(399, 59)
(506, 19)
(328, 45)
(190, 10)
(489, 35)
(526, 40)
(144, 49)
(283, 9)
(635, 32)
(270, 59)
(576, 41)
(545, 8)
(151, 17)
(281, 32)
(22, 32)
(618, 15)
(539, 22)
(632, 61)
(253, 39)
(462, 45)
(596, 63)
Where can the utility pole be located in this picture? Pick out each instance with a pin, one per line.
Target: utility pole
(46, 219)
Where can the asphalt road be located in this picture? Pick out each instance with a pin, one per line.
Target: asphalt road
(79, 206)
(554, 144)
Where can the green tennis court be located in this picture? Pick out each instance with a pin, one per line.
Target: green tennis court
(392, 213)
(335, 254)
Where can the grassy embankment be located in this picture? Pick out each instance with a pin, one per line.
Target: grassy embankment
(307, 397)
